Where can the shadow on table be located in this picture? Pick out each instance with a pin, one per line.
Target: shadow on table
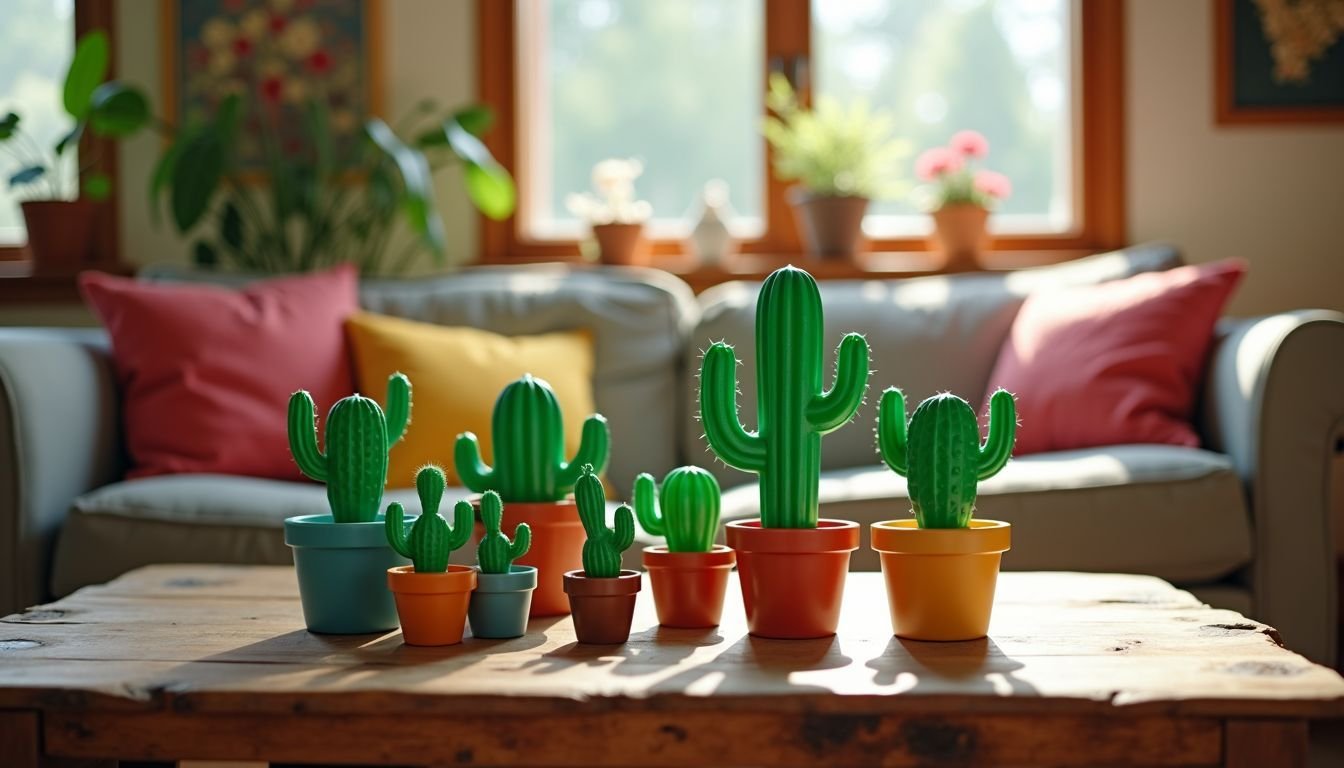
(645, 653)
(968, 666)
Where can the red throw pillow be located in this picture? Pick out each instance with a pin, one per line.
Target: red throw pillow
(206, 372)
(1116, 362)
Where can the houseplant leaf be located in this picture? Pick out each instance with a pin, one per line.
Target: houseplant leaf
(97, 187)
(476, 119)
(163, 171)
(87, 70)
(231, 226)
(418, 186)
(117, 109)
(195, 176)
(491, 190)
(70, 139)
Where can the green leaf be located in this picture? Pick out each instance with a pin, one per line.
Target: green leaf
(231, 226)
(465, 145)
(163, 172)
(195, 177)
(97, 186)
(8, 125)
(204, 255)
(117, 109)
(492, 191)
(418, 188)
(476, 119)
(70, 139)
(27, 175)
(87, 70)
(320, 132)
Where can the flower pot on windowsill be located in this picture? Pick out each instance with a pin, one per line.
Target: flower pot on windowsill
(831, 225)
(603, 608)
(557, 547)
(793, 579)
(688, 587)
(960, 236)
(432, 607)
(60, 234)
(622, 244)
(341, 569)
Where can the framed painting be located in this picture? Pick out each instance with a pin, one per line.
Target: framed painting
(282, 56)
(1279, 61)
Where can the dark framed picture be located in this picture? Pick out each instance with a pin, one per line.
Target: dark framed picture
(1279, 61)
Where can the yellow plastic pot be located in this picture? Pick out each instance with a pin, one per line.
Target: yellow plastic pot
(940, 581)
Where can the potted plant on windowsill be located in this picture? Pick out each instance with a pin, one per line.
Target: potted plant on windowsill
(689, 574)
(602, 595)
(960, 197)
(615, 217)
(341, 558)
(503, 596)
(430, 594)
(841, 159)
(941, 567)
(791, 564)
(534, 481)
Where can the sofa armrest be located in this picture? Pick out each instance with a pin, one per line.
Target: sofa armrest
(59, 437)
(1274, 403)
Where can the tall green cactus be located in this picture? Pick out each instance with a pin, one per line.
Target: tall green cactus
(359, 435)
(689, 507)
(529, 447)
(496, 553)
(792, 410)
(602, 551)
(430, 540)
(942, 456)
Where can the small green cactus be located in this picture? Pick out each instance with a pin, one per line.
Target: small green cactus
(689, 506)
(430, 540)
(496, 553)
(529, 447)
(942, 456)
(602, 551)
(359, 435)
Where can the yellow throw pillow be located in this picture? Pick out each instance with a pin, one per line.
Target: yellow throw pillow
(456, 373)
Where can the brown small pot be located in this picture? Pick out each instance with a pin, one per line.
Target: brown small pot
(793, 579)
(432, 607)
(832, 226)
(622, 244)
(960, 235)
(557, 547)
(603, 608)
(60, 234)
(688, 587)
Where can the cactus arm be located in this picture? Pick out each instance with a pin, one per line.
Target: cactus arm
(998, 447)
(522, 541)
(303, 436)
(625, 529)
(474, 472)
(464, 517)
(891, 435)
(733, 444)
(398, 410)
(395, 525)
(646, 504)
(832, 409)
(594, 449)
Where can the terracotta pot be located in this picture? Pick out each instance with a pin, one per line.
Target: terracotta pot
(832, 226)
(432, 607)
(960, 235)
(622, 244)
(60, 234)
(557, 546)
(603, 608)
(793, 579)
(940, 581)
(688, 587)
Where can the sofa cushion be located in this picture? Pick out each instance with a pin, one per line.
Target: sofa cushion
(1178, 513)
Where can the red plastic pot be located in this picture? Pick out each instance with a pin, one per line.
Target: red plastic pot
(557, 547)
(793, 579)
(688, 587)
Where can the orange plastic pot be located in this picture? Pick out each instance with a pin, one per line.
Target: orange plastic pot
(688, 587)
(557, 547)
(603, 608)
(940, 581)
(432, 607)
(793, 579)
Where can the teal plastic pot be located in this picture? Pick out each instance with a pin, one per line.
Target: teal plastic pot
(342, 571)
(501, 602)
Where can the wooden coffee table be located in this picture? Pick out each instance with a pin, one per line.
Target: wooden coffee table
(206, 662)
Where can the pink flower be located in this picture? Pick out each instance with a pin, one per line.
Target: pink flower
(992, 184)
(969, 144)
(934, 163)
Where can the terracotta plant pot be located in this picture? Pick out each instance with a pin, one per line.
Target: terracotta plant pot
(940, 581)
(341, 567)
(832, 227)
(622, 244)
(432, 606)
(793, 579)
(688, 587)
(557, 547)
(960, 235)
(501, 602)
(60, 234)
(603, 608)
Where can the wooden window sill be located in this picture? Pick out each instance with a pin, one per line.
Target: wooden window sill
(19, 286)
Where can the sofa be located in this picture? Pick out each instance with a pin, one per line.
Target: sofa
(1244, 522)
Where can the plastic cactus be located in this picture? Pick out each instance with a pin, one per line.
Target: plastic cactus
(792, 410)
(529, 447)
(942, 456)
(431, 540)
(359, 435)
(687, 512)
(496, 553)
(602, 551)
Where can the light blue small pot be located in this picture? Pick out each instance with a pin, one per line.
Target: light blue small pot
(342, 571)
(501, 602)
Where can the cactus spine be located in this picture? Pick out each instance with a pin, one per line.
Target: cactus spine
(431, 539)
(792, 410)
(685, 510)
(602, 551)
(359, 435)
(942, 456)
(529, 447)
(496, 553)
